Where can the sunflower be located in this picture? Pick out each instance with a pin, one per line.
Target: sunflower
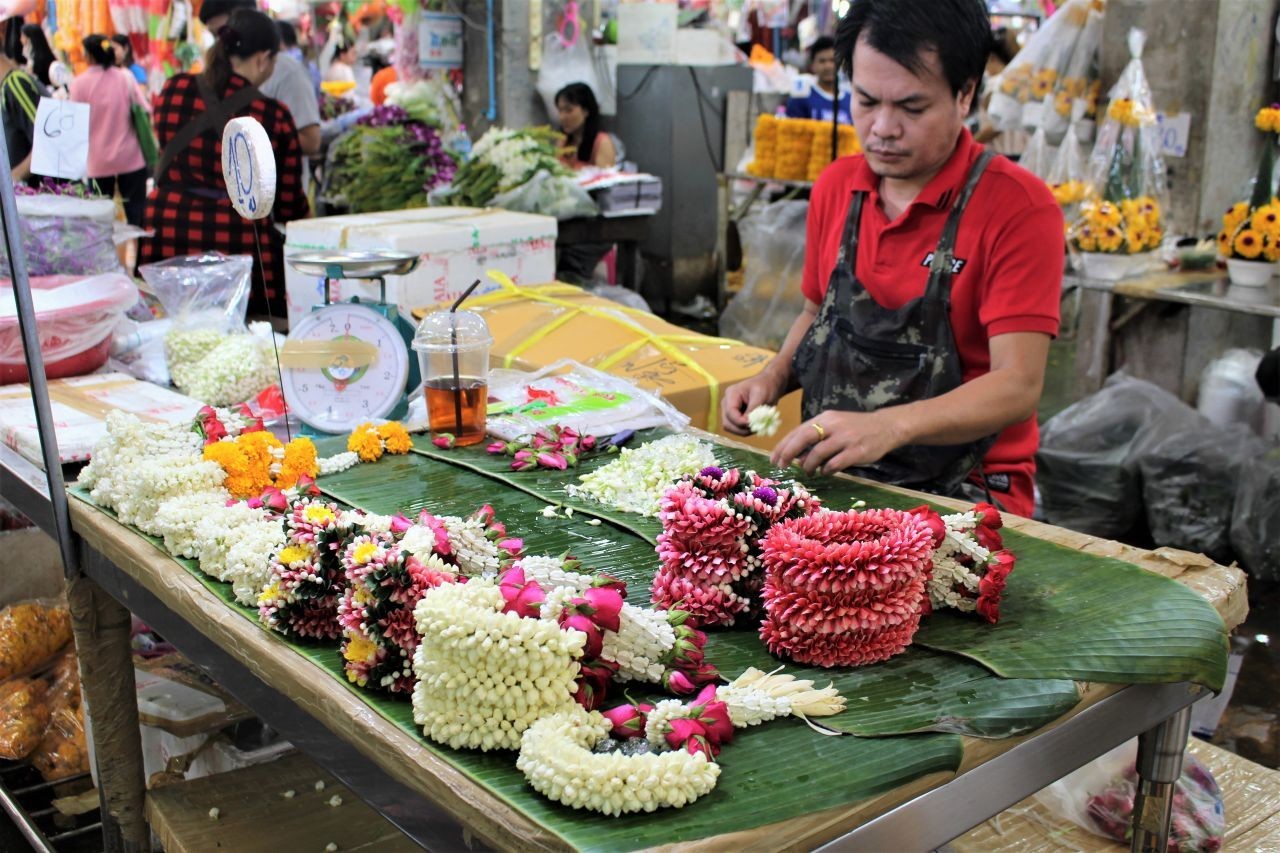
(1224, 243)
(1074, 87)
(1235, 216)
(1110, 239)
(1136, 238)
(1122, 110)
(1043, 82)
(1271, 249)
(1150, 210)
(1062, 103)
(1248, 244)
(1087, 238)
(1155, 236)
(1131, 211)
(1104, 215)
(1266, 220)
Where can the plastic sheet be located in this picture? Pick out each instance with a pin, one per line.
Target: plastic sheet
(63, 235)
(1189, 482)
(1088, 459)
(1255, 523)
(1037, 157)
(548, 195)
(1099, 797)
(770, 299)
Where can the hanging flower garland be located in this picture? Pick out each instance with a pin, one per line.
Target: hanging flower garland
(637, 479)
(644, 757)
(845, 588)
(970, 563)
(712, 525)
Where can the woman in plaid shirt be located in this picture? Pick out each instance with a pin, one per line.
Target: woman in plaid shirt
(189, 209)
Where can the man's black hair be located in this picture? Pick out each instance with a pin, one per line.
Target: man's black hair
(822, 43)
(213, 8)
(959, 30)
(288, 35)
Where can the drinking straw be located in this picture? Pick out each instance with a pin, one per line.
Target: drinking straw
(453, 340)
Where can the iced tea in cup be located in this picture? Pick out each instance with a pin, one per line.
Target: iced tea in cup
(453, 352)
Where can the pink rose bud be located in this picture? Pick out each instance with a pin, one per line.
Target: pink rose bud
(608, 606)
(695, 745)
(512, 546)
(715, 716)
(307, 486)
(275, 500)
(628, 721)
(705, 695)
(684, 729)
(595, 635)
(400, 525)
(552, 459)
(937, 528)
(497, 447)
(678, 683)
(444, 441)
(254, 503)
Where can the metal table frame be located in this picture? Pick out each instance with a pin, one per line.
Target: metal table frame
(1158, 712)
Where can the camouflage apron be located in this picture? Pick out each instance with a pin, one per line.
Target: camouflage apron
(859, 356)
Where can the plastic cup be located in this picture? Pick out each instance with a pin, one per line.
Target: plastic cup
(453, 354)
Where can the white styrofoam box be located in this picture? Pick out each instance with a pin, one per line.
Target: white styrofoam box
(456, 247)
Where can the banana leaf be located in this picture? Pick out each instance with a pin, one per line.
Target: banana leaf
(1064, 614)
(768, 774)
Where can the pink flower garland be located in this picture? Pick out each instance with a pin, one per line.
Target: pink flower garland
(845, 588)
(712, 524)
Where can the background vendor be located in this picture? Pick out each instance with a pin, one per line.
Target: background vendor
(585, 143)
(921, 349)
(814, 93)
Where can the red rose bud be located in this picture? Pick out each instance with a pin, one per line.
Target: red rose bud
(444, 441)
(696, 745)
(683, 730)
(988, 537)
(988, 516)
(307, 486)
(628, 721)
(715, 716)
(704, 674)
(588, 442)
(1002, 562)
(601, 581)
(675, 681)
(937, 527)
(595, 635)
(486, 514)
(587, 696)
(399, 524)
(274, 499)
(608, 606)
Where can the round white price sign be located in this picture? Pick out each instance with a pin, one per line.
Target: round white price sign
(249, 168)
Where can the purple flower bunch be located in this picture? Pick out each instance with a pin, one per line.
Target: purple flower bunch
(421, 139)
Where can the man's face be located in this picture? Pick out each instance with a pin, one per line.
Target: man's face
(908, 123)
(824, 67)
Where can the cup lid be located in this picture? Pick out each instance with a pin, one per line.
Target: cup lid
(449, 330)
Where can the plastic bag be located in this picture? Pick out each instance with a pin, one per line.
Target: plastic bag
(24, 714)
(621, 295)
(1067, 176)
(574, 395)
(565, 60)
(1078, 83)
(210, 290)
(62, 752)
(1037, 157)
(1087, 464)
(31, 633)
(1126, 172)
(221, 369)
(1099, 797)
(548, 195)
(1229, 392)
(1189, 483)
(1021, 88)
(770, 299)
(1255, 522)
(64, 235)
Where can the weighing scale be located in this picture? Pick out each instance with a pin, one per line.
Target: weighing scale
(348, 362)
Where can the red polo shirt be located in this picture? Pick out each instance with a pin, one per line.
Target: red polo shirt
(1011, 241)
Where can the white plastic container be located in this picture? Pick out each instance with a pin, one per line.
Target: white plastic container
(1244, 273)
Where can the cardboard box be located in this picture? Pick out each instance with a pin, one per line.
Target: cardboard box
(536, 326)
(80, 407)
(457, 245)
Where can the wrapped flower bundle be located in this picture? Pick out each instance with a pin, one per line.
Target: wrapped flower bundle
(641, 757)
(845, 588)
(218, 368)
(369, 164)
(712, 526)
(970, 562)
(502, 160)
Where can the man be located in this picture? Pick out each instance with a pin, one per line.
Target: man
(814, 96)
(921, 352)
(290, 83)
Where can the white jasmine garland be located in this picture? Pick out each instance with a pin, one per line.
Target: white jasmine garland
(644, 636)
(249, 559)
(948, 573)
(419, 540)
(155, 480)
(638, 478)
(338, 463)
(217, 533)
(485, 676)
(556, 757)
(219, 368)
(764, 420)
(551, 572)
(659, 721)
(477, 556)
(756, 697)
(178, 518)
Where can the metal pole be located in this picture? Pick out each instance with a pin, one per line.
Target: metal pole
(35, 367)
(1159, 766)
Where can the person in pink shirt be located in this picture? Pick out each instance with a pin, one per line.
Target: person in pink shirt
(115, 157)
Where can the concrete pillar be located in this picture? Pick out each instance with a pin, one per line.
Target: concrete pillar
(1212, 59)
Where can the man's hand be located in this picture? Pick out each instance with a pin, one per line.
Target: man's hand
(834, 441)
(739, 399)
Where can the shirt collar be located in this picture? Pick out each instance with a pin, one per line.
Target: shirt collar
(943, 188)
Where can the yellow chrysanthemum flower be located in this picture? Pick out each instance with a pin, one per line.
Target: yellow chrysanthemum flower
(293, 554)
(271, 593)
(395, 438)
(1136, 239)
(1235, 216)
(318, 514)
(364, 553)
(1043, 82)
(366, 443)
(1110, 239)
(1087, 239)
(1155, 236)
(1105, 215)
(1248, 244)
(1268, 119)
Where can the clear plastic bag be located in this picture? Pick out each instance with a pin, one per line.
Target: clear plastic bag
(209, 290)
(1067, 176)
(1229, 392)
(770, 299)
(549, 195)
(1087, 464)
(73, 314)
(1188, 486)
(1099, 797)
(64, 235)
(564, 61)
(571, 394)
(1037, 157)
(1078, 83)
(24, 714)
(1020, 90)
(1255, 522)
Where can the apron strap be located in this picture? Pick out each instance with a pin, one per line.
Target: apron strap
(944, 254)
(849, 242)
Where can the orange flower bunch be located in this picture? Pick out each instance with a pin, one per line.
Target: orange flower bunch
(369, 442)
(766, 147)
(255, 461)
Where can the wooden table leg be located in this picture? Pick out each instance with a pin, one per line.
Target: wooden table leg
(102, 628)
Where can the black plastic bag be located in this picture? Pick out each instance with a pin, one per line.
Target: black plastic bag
(1255, 521)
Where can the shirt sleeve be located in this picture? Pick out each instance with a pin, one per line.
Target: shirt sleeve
(292, 87)
(1024, 281)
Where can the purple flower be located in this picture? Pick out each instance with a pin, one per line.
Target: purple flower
(713, 471)
(766, 495)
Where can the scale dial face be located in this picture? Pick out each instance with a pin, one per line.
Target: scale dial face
(339, 396)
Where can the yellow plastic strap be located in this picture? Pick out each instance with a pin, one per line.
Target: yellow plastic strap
(662, 343)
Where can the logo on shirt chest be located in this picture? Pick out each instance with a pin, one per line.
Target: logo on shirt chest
(957, 264)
